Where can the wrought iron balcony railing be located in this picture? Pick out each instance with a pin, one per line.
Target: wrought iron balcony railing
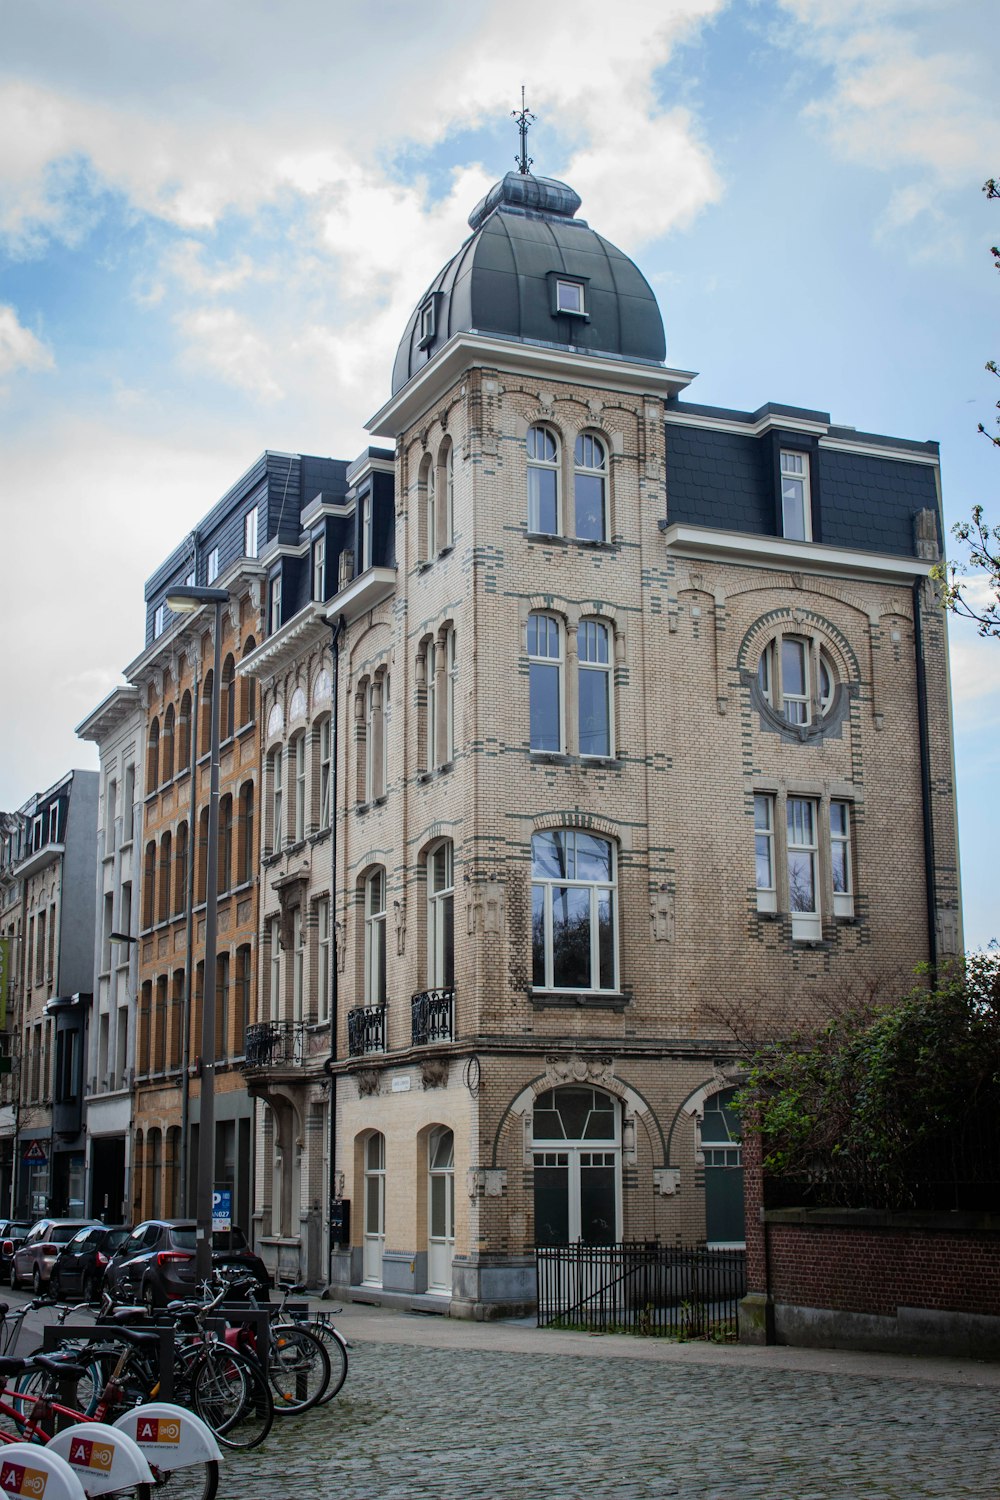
(274, 1044)
(433, 1016)
(366, 1030)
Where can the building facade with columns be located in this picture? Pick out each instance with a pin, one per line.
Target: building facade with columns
(642, 736)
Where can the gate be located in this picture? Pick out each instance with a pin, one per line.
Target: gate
(679, 1291)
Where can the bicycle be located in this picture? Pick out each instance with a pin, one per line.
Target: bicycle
(321, 1325)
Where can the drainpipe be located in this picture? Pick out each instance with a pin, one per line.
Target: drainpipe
(925, 777)
(335, 967)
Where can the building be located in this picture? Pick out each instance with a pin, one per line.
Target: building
(641, 728)
(116, 727)
(174, 677)
(56, 870)
(13, 836)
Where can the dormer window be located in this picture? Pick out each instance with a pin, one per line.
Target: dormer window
(570, 298)
(796, 516)
(427, 321)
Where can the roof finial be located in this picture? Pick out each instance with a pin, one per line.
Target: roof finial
(524, 118)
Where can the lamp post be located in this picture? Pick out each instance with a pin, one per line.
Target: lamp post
(188, 599)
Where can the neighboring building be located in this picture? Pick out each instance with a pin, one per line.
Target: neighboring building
(13, 837)
(342, 551)
(116, 727)
(669, 747)
(174, 676)
(57, 871)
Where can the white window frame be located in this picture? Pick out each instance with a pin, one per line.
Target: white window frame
(590, 461)
(840, 842)
(795, 495)
(277, 779)
(325, 772)
(763, 831)
(250, 541)
(299, 832)
(816, 700)
(549, 884)
(448, 526)
(319, 567)
(542, 462)
(159, 619)
(441, 915)
(802, 846)
(274, 595)
(451, 688)
(298, 962)
(430, 503)
(563, 304)
(275, 973)
(383, 682)
(375, 902)
(598, 629)
(323, 968)
(367, 522)
(545, 659)
(213, 565)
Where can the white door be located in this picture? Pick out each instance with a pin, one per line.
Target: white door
(374, 1236)
(441, 1209)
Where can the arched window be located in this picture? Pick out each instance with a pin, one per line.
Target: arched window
(167, 746)
(545, 683)
(324, 742)
(428, 501)
(149, 885)
(574, 922)
(797, 679)
(175, 1020)
(154, 1169)
(184, 733)
(225, 855)
(441, 916)
(595, 698)
(447, 506)
(221, 1006)
(543, 481)
(248, 689)
(375, 937)
(245, 835)
(298, 761)
(722, 1152)
(205, 737)
(441, 679)
(144, 1038)
(275, 776)
(153, 756)
(163, 882)
(590, 493)
(228, 703)
(159, 1062)
(243, 997)
(181, 869)
(201, 880)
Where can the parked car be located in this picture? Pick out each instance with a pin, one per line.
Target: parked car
(12, 1236)
(34, 1260)
(78, 1269)
(157, 1261)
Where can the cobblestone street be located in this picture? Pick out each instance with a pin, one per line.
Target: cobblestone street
(481, 1417)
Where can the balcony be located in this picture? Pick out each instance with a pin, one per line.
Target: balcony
(274, 1044)
(366, 1030)
(433, 1016)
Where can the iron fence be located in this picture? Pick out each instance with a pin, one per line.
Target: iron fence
(274, 1044)
(678, 1291)
(365, 1030)
(433, 1016)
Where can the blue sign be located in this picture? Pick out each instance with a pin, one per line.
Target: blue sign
(222, 1208)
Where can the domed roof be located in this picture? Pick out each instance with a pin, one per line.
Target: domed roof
(533, 272)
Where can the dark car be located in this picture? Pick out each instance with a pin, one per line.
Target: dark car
(78, 1269)
(156, 1263)
(13, 1233)
(34, 1260)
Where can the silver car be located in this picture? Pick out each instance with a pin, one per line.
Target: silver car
(34, 1260)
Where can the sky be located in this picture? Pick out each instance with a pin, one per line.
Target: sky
(216, 217)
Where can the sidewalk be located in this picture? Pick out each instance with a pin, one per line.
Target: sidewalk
(361, 1323)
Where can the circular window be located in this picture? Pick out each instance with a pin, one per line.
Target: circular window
(797, 680)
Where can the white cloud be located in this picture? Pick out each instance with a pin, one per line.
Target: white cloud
(229, 344)
(19, 348)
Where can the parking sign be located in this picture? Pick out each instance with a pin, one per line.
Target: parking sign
(222, 1208)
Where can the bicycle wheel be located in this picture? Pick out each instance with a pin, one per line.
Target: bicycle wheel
(336, 1350)
(298, 1368)
(198, 1481)
(230, 1393)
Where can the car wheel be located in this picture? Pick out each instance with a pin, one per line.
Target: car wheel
(36, 1281)
(55, 1286)
(88, 1291)
(13, 1278)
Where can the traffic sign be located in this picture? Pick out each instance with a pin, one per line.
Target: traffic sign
(222, 1208)
(35, 1152)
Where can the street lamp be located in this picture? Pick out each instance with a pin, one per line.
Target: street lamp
(187, 599)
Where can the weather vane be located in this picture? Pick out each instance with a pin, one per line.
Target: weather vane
(524, 119)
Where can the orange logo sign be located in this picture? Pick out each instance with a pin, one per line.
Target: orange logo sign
(85, 1454)
(18, 1480)
(158, 1430)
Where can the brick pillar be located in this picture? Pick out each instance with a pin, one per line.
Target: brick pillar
(756, 1311)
